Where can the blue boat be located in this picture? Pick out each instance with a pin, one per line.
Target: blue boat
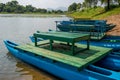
(97, 38)
(100, 25)
(107, 41)
(111, 38)
(108, 44)
(112, 61)
(92, 72)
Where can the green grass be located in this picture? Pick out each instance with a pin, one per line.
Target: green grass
(94, 13)
(114, 11)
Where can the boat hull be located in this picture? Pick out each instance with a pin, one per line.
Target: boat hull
(114, 45)
(58, 69)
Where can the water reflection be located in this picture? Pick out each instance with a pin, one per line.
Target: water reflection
(18, 70)
(33, 73)
(18, 29)
(30, 15)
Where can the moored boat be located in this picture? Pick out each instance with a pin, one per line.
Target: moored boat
(109, 38)
(99, 25)
(61, 70)
(98, 38)
(112, 61)
(108, 44)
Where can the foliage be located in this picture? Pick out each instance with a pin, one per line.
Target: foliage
(14, 7)
(95, 13)
(108, 4)
(88, 13)
(114, 11)
(72, 7)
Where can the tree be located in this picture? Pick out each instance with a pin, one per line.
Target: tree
(107, 3)
(43, 11)
(79, 6)
(1, 7)
(84, 5)
(14, 7)
(118, 1)
(29, 8)
(95, 2)
(72, 7)
(7, 9)
(11, 6)
(91, 3)
(20, 9)
(59, 11)
(88, 3)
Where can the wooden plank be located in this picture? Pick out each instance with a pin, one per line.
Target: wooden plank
(62, 36)
(52, 55)
(75, 61)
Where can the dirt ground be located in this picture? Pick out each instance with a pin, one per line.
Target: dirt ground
(115, 19)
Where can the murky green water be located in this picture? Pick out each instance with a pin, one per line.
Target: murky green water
(18, 28)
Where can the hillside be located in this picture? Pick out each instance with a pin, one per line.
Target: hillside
(112, 16)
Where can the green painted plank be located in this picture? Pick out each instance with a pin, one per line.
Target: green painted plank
(75, 61)
(52, 55)
(62, 36)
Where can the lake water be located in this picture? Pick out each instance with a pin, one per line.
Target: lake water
(18, 28)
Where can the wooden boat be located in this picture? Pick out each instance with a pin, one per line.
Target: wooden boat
(112, 61)
(59, 69)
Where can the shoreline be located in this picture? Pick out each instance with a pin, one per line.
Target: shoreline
(30, 15)
(114, 19)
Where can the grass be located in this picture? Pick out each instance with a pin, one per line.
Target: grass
(94, 13)
(114, 11)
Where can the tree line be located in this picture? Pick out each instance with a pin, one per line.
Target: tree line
(108, 4)
(15, 7)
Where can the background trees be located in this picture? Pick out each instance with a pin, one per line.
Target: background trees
(72, 7)
(108, 4)
(1, 7)
(14, 7)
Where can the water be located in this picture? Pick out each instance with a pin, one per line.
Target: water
(18, 28)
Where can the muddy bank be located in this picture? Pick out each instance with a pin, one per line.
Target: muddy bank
(115, 19)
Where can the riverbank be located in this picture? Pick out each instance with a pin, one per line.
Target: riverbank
(115, 19)
(30, 15)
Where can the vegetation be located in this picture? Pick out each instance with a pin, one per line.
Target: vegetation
(14, 7)
(90, 9)
(87, 9)
(89, 13)
(92, 4)
(107, 13)
(95, 13)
